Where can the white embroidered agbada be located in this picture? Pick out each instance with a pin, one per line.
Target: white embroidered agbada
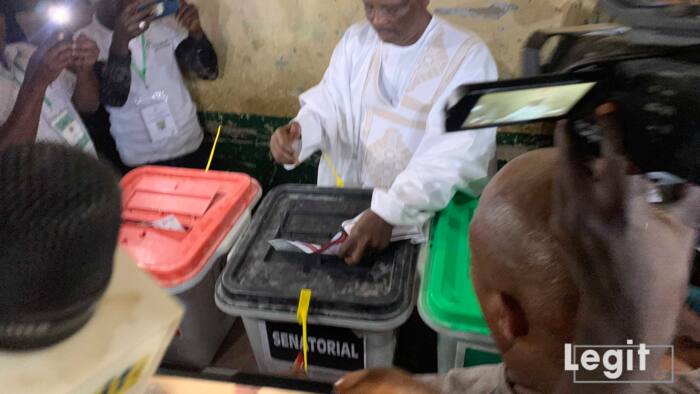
(378, 115)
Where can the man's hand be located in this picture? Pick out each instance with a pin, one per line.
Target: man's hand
(370, 234)
(627, 257)
(282, 143)
(188, 17)
(381, 381)
(85, 54)
(133, 20)
(48, 61)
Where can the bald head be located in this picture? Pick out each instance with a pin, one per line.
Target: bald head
(511, 228)
(518, 269)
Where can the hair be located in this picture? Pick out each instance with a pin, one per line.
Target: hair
(60, 213)
(511, 226)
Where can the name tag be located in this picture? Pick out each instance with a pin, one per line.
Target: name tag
(68, 127)
(159, 121)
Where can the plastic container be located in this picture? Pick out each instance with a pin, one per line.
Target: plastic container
(447, 301)
(179, 226)
(354, 311)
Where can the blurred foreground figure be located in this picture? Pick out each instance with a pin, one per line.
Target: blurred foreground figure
(562, 253)
(60, 211)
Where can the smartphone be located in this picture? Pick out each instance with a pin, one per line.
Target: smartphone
(510, 102)
(163, 8)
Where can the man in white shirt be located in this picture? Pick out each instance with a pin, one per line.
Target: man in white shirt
(39, 98)
(377, 116)
(154, 120)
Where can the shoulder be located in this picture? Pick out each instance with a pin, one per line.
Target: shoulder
(683, 383)
(457, 36)
(482, 379)
(360, 34)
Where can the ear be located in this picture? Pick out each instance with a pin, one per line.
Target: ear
(511, 321)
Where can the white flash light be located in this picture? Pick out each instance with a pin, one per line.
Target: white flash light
(59, 14)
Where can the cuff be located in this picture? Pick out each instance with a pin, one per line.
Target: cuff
(311, 137)
(388, 207)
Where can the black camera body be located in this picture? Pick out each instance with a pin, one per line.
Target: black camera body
(656, 90)
(650, 69)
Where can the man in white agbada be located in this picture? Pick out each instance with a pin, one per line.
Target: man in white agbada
(377, 117)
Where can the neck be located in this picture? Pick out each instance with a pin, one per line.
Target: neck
(106, 17)
(421, 25)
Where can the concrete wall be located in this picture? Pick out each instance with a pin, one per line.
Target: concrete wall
(272, 50)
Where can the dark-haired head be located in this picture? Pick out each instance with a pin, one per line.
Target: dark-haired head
(60, 216)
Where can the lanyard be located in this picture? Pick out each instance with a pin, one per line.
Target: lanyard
(19, 82)
(144, 56)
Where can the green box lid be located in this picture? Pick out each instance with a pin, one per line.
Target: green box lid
(447, 295)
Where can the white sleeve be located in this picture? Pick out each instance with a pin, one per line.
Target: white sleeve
(324, 108)
(443, 163)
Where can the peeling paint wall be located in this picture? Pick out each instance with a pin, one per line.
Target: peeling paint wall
(272, 50)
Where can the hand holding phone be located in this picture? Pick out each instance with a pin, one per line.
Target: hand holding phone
(133, 21)
(188, 16)
(162, 8)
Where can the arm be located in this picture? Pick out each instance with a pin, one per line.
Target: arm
(22, 124)
(197, 56)
(323, 112)
(114, 79)
(44, 67)
(443, 163)
(86, 96)
(627, 258)
(114, 76)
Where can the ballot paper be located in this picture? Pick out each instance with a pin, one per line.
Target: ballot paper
(331, 248)
(400, 233)
(169, 222)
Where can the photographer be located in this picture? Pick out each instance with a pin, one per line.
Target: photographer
(567, 253)
(154, 119)
(39, 97)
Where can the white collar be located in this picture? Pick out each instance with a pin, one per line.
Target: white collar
(419, 43)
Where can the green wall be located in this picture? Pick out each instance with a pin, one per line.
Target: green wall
(244, 147)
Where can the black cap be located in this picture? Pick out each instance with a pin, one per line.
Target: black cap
(60, 216)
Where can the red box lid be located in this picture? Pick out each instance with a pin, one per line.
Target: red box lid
(207, 205)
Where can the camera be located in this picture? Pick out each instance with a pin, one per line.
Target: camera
(649, 66)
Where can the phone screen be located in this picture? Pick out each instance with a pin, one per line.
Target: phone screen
(525, 105)
(163, 8)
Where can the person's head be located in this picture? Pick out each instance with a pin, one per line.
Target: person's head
(399, 22)
(60, 211)
(519, 275)
(107, 10)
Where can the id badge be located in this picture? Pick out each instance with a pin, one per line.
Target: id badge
(68, 127)
(159, 121)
